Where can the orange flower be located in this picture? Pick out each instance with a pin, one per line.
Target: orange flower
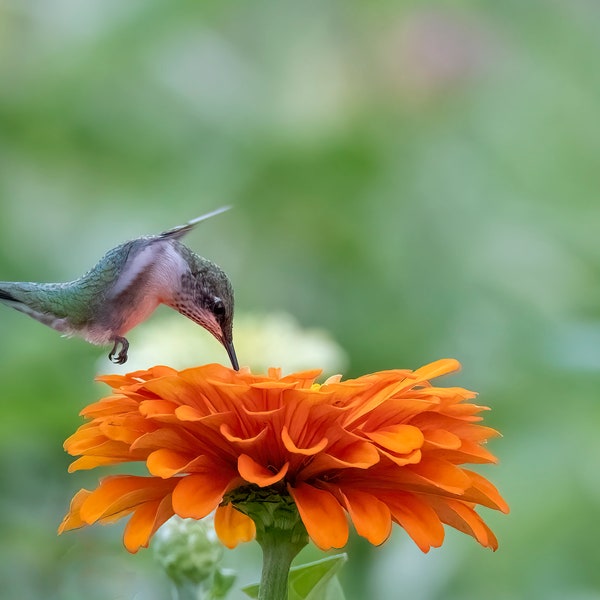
(382, 448)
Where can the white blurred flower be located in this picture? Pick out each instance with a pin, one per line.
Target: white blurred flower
(261, 341)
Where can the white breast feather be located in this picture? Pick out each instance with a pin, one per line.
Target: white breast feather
(141, 262)
(164, 266)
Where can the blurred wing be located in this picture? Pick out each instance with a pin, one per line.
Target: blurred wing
(141, 257)
(181, 230)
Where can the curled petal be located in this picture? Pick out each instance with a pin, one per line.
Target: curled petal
(189, 413)
(251, 471)
(157, 408)
(310, 451)
(303, 379)
(412, 458)
(242, 442)
(357, 455)
(167, 463)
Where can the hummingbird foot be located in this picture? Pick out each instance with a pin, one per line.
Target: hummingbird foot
(121, 357)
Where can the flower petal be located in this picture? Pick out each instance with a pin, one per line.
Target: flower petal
(464, 518)
(157, 408)
(233, 527)
(144, 523)
(400, 438)
(418, 518)
(252, 472)
(442, 474)
(356, 455)
(166, 463)
(109, 406)
(120, 494)
(291, 447)
(440, 438)
(405, 459)
(195, 496)
(240, 442)
(371, 517)
(485, 493)
(85, 463)
(322, 516)
(384, 447)
(436, 369)
(73, 518)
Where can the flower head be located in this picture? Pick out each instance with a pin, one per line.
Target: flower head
(386, 447)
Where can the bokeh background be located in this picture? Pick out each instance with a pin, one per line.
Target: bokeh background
(411, 180)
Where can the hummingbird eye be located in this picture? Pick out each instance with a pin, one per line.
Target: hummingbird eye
(218, 308)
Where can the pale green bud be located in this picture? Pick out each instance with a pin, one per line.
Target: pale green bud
(188, 550)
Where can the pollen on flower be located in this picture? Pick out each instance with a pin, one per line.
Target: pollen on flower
(380, 449)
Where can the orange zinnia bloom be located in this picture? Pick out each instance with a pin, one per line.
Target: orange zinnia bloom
(382, 448)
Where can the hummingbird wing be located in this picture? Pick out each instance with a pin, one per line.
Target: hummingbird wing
(131, 262)
(178, 232)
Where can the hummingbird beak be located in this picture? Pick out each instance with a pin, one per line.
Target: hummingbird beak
(231, 352)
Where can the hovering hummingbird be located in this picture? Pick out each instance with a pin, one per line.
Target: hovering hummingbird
(125, 287)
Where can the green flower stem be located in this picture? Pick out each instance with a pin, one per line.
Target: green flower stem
(278, 553)
(279, 531)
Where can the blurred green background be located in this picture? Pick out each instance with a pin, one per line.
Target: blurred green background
(418, 179)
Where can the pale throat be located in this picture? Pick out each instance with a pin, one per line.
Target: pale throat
(199, 315)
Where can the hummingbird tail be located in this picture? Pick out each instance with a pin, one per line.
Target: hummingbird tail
(26, 298)
(4, 295)
(13, 301)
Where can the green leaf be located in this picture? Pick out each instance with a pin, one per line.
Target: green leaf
(313, 581)
(223, 582)
(251, 590)
(317, 580)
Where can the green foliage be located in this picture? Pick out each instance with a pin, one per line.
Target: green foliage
(313, 581)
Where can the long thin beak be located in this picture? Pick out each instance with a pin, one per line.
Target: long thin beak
(231, 352)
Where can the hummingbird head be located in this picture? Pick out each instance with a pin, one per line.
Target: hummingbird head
(206, 297)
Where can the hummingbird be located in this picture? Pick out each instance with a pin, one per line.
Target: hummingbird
(125, 287)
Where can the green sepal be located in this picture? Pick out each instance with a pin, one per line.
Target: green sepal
(312, 581)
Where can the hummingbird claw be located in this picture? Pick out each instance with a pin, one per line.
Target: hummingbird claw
(121, 357)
